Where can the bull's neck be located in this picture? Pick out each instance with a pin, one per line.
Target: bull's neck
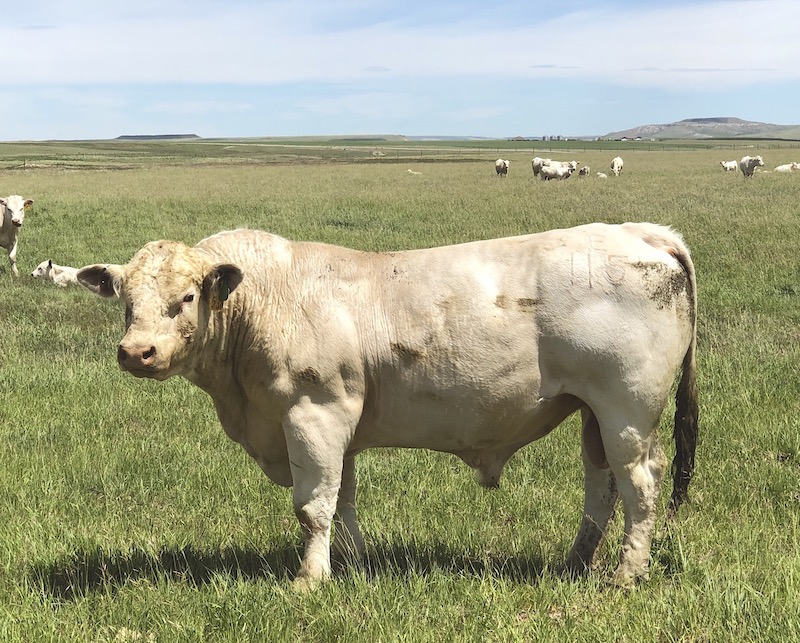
(228, 345)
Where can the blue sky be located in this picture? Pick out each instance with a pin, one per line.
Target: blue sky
(95, 69)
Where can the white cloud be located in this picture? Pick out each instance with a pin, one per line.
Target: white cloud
(367, 105)
(249, 67)
(197, 107)
(479, 113)
(281, 42)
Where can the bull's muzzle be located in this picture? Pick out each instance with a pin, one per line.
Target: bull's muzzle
(16, 223)
(134, 357)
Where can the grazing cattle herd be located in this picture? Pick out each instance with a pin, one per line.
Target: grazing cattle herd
(548, 169)
(313, 353)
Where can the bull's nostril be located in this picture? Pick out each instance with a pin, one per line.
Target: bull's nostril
(135, 356)
(122, 354)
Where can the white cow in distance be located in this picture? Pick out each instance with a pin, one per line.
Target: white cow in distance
(748, 165)
(559, 173)
(59, 275)
(501, 167)
(585, 171)
(313, 353)
(729, 166)
(616, 165)
(602, 175)
(788, 167)
(537, 163)
(572, 165)
(12, 215)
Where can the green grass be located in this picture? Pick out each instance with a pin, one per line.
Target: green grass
(128, 515)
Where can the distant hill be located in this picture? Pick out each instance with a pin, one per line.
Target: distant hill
(153, 137)
(720, 127)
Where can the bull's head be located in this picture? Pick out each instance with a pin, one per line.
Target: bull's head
(170, 291)
(15, 207)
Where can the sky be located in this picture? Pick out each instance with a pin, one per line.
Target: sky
(98, 69)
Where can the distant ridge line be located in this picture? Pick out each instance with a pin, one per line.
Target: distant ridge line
(712, 127)
(151, 137)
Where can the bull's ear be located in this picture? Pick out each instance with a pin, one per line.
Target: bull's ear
(220, 283)
(102, 279)
(28, 203)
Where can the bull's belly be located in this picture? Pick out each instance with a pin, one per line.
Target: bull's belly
(460, 424)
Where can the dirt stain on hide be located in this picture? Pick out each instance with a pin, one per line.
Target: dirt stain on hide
(309, 374)
(524, 303)
(406, 352)
(664, 285)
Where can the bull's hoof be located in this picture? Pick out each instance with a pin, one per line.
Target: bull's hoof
(574, 567)
(305, 584)
(623, 579)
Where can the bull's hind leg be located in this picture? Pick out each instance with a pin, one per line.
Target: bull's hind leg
(637, 461)
(348, 543)
(600, 496)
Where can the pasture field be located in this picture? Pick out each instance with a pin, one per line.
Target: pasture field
(127, 515)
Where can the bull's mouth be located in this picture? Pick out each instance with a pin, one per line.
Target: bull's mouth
(17, 224)
(151, 372)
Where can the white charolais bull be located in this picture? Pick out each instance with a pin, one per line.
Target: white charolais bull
(729, 166)
(616, 165)
(313, 353)
(501, 167)
(12, 215)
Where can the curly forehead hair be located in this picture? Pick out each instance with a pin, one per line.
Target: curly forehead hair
(172, 258)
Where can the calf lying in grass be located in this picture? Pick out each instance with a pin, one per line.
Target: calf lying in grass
(59, 275)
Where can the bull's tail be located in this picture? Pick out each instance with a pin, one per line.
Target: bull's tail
(686, 405)
(684, 433)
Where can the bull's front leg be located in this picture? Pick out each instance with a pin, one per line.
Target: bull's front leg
(348, 543)
(12, 258)
(316, 437)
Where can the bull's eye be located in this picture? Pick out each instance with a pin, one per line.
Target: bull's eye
(188, 299)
